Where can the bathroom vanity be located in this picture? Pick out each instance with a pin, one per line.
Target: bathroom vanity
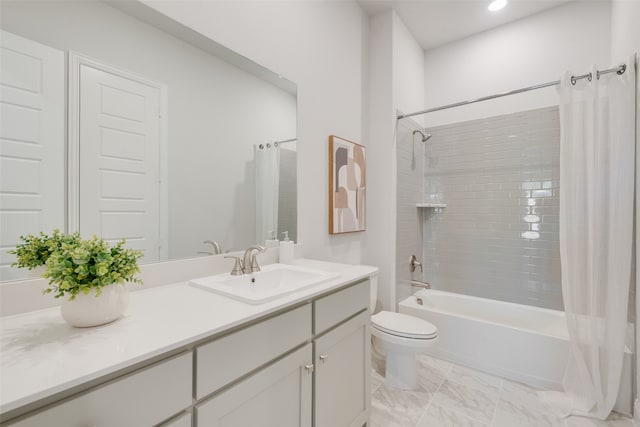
(183, 356)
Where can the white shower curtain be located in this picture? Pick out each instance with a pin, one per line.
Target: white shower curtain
(267, 163)
(596, 222)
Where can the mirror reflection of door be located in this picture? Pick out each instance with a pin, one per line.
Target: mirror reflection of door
(31, 143)
(119, 119)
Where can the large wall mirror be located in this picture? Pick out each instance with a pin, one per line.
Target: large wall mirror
(119, 122)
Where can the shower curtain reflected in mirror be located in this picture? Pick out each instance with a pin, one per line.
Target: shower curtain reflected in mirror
(596, 222)
(267, 167)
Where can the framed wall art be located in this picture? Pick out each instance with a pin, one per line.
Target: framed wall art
(347, 186)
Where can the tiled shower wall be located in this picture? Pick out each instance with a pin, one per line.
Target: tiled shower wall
(498, 236)
(409, 167)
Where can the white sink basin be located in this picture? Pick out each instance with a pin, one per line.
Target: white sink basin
(274, 281)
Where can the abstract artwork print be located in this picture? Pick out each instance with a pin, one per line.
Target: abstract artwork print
(347, 186)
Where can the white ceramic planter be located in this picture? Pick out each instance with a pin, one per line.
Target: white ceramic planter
(88, 310)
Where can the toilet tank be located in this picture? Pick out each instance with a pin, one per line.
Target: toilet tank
(373, 297)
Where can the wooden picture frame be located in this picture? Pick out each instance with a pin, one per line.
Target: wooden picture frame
(347, 186)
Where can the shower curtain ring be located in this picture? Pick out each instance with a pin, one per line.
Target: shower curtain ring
(573, 80)
(622, 69)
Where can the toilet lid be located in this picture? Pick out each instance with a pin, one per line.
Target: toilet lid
(403, 325)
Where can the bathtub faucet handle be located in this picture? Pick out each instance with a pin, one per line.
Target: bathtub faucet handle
(413, 263)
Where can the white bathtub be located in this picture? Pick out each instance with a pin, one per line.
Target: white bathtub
(518, 342)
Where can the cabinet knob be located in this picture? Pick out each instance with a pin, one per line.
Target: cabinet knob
(309, 368)
(324, 357)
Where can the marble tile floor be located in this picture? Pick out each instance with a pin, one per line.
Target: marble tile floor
(454, 396)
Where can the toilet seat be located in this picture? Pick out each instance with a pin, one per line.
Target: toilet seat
(403, 325)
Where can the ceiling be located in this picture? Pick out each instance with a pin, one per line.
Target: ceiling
(437, 22)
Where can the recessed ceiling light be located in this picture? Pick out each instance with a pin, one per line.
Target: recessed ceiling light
(497, 5)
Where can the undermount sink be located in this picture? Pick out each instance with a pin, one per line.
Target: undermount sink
(272, 282)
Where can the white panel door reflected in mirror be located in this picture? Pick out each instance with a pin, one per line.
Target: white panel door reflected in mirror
(31, 143)
(119, 124)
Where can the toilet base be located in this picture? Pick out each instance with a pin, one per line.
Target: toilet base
(401, 370)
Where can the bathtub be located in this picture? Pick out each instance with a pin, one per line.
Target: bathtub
(518, 342)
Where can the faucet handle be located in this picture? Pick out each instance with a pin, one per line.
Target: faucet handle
(237, 267)
(413, 263)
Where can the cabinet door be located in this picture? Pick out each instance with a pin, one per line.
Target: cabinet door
(276, 396)
(342, 360)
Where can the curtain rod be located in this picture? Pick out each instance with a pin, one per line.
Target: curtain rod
(275, 143)
(618, 70)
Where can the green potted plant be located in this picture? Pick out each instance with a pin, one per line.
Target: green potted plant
(33, 253)
(90, 274)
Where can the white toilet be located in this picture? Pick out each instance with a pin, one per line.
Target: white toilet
(401, 338)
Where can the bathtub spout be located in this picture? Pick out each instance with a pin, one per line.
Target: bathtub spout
(419, 284)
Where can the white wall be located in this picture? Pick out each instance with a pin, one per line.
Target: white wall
(531, 51)
(408, 70)
(318, 45)
(625, 40)
(216, 113)
(396, 82)
(408, 95)
(625, 29)
(380, 247)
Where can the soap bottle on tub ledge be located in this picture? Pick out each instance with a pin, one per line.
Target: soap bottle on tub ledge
(286, 249)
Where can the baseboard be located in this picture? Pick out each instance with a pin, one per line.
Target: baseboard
(636, 412)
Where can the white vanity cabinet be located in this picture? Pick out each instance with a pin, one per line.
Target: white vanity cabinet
(305, 365)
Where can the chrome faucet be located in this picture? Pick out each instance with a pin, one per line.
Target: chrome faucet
(215, 246)
(413, 263)
(250, 262)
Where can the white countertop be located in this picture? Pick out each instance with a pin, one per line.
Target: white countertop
(41, 355)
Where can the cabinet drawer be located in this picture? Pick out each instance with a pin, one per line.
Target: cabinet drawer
(228, 358)
(335, 308)
(143, 398)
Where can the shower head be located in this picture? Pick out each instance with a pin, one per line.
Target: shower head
(425, 136)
